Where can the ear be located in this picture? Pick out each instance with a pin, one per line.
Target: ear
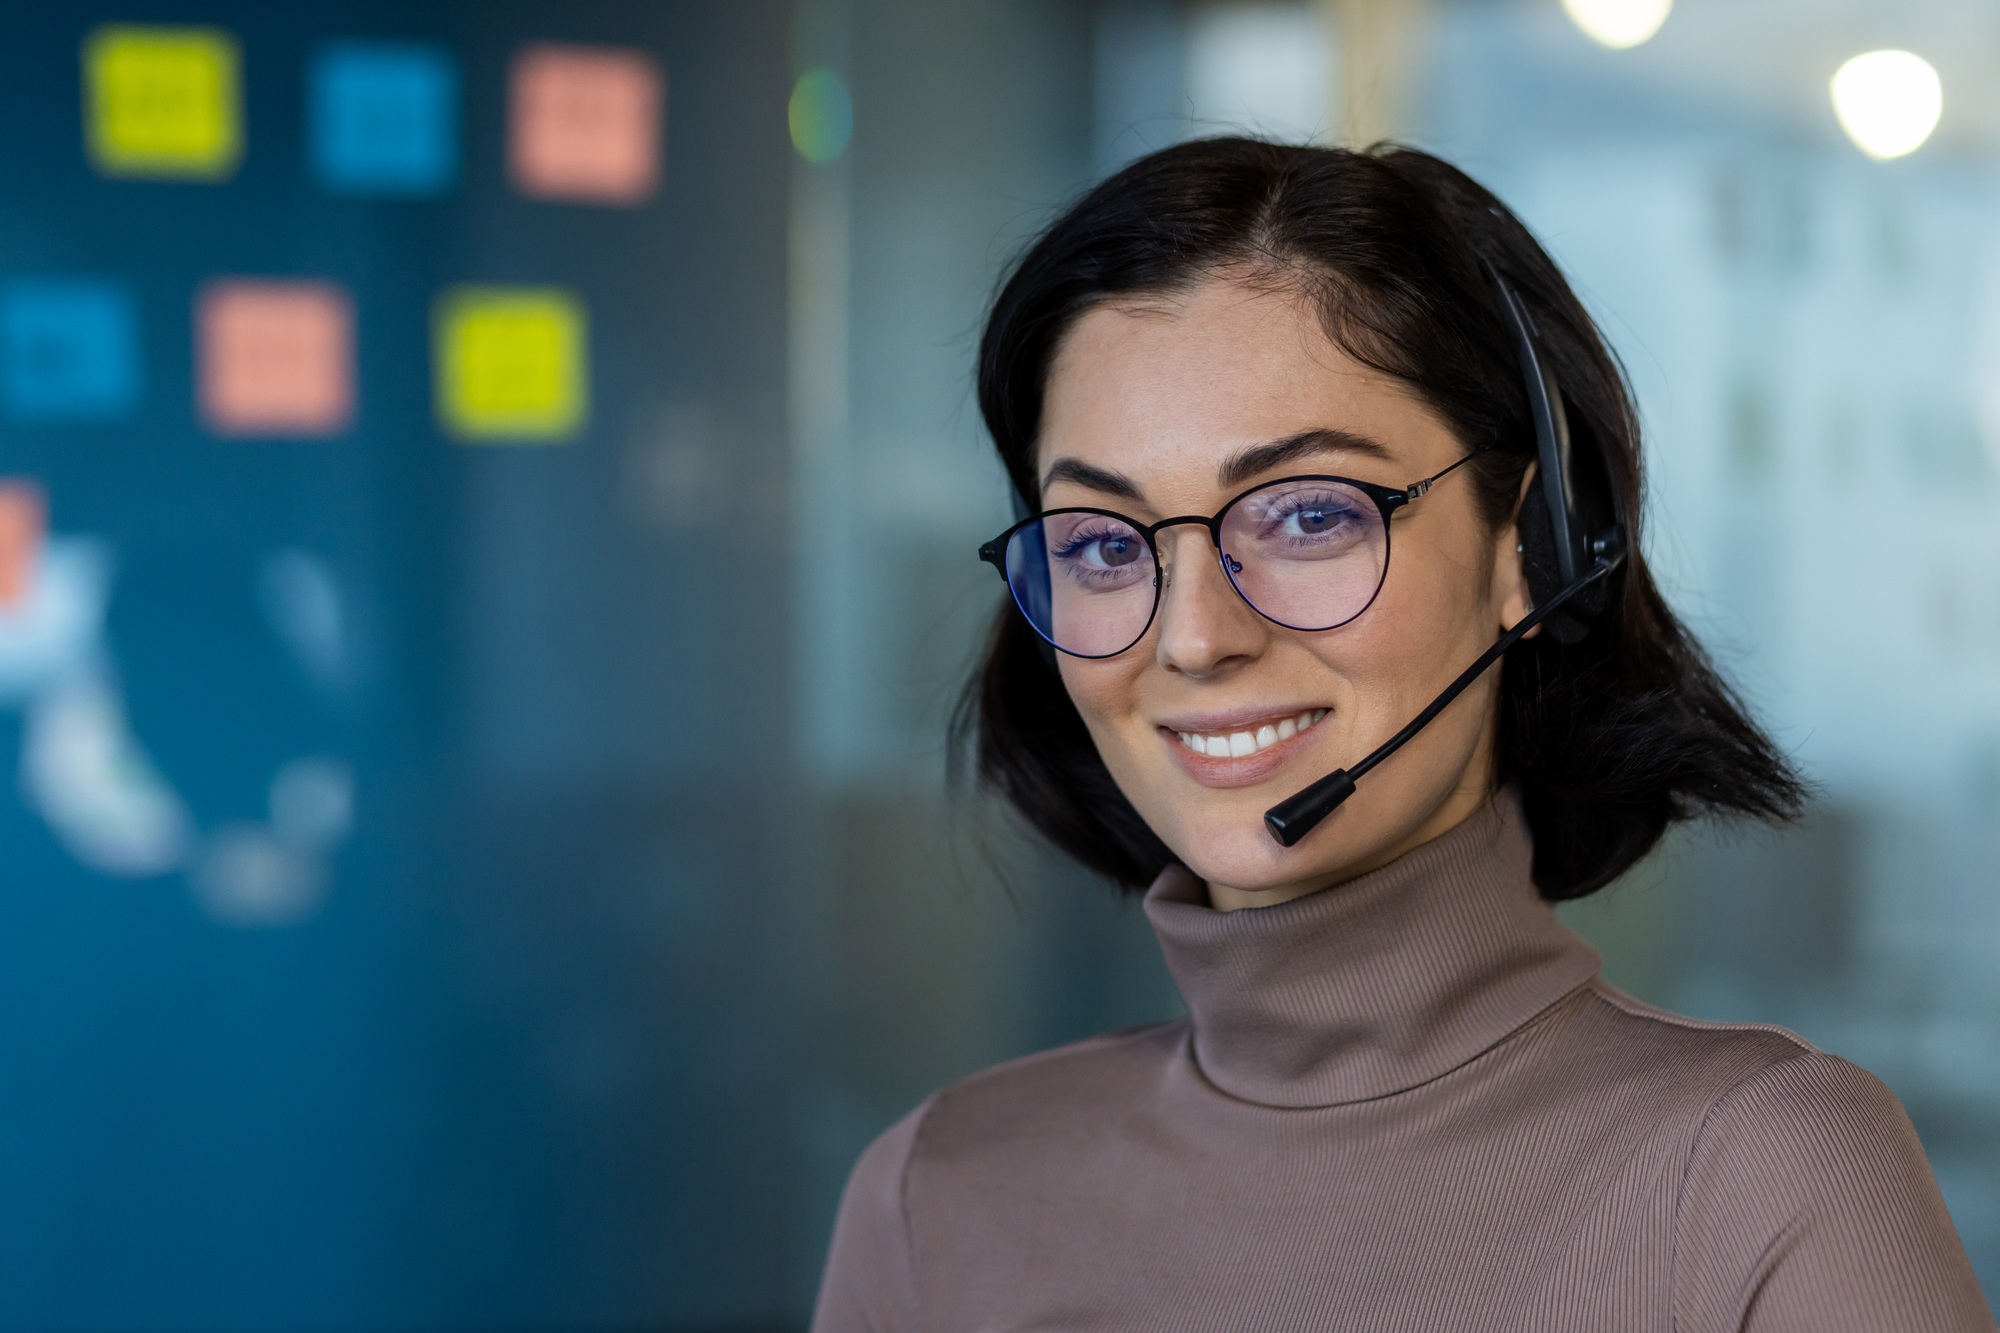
(1511, 597)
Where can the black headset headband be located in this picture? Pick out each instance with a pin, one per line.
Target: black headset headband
(1557, 545)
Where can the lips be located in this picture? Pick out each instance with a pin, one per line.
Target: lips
(1238, 750)
(1240, 744)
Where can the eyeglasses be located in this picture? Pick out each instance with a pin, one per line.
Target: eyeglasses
(1307, 553)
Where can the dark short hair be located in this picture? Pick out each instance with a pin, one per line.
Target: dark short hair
(1610, 739)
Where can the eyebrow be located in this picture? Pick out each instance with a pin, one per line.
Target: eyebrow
(1235, 470)
(1263, 457)
(1094, 478)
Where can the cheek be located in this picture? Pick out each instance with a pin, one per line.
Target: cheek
(1103, 690)
(1427, 626)
(1383, 648)
(1106, 694)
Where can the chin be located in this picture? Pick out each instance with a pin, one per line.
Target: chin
(1240, 852)
(1230, 845)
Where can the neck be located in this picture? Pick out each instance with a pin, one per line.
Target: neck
(1383, 983)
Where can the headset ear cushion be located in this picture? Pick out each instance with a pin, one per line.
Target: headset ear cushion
(1538, 558)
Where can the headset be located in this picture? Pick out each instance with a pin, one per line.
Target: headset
(1557, 540)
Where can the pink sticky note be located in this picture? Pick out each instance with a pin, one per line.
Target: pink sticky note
(276, 358)
(24, 525)
(585, 124)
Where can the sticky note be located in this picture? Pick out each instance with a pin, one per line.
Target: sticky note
(584, 124)
(275, 358)
(512, 363)
(24, 526)
(162, 102)
(384, 118)
(69, 350)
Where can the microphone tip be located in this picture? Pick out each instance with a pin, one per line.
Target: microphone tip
(1279, 829)
(1291, 819)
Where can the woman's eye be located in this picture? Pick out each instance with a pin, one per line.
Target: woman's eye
(1102, 550)
(1313, 520)
(1110, 552)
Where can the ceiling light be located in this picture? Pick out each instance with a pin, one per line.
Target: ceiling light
(1619, 23)
(1888, 102)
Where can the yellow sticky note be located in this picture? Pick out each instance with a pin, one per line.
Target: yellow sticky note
(512, 363)
(162, 102)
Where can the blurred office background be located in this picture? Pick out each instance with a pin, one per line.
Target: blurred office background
(487, 498)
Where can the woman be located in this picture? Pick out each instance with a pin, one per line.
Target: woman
(1402, 1098)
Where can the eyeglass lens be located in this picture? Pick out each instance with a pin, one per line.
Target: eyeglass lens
(1307, 554)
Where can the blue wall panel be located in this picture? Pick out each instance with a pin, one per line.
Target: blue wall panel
(471, 1029)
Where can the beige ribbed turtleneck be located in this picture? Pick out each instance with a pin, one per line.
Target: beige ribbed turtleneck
(1403, 1103)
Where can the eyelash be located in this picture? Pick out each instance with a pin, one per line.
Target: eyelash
(1080, 539)
(1336, 507)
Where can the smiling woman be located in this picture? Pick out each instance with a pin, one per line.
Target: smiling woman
(1268, 420)
(1233, 310)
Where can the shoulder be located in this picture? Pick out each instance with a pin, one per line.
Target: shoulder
(1068, 1085)
(1805, 1199)
(1757, 1088)
(868, 1282)
(1014, 1100)
(870, 1279)
(1729, 1051)
(1654, 1067)
(1806, 1133)
(1020, 1101)
(1754, 1096)
(1808, 1202)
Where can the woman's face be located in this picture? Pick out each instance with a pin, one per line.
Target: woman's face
(1170, 406)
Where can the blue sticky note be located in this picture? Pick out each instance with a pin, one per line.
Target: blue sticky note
(384, 118)
(69, 350)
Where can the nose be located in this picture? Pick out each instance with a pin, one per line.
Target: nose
(1207, 630)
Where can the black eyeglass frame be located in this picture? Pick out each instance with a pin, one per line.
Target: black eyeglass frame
(1388, 499)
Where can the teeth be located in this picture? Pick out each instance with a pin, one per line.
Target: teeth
(1237, 744)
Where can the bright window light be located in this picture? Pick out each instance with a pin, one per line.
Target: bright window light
(1888, 102)
(1619, 23)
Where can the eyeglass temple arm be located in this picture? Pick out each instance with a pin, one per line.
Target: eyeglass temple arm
(1416, 489)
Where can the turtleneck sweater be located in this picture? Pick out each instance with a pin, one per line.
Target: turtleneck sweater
(1405, 1102)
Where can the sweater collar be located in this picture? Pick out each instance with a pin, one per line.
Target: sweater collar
(1373, 986)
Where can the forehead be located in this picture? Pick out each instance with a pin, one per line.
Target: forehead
(1165, 389)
